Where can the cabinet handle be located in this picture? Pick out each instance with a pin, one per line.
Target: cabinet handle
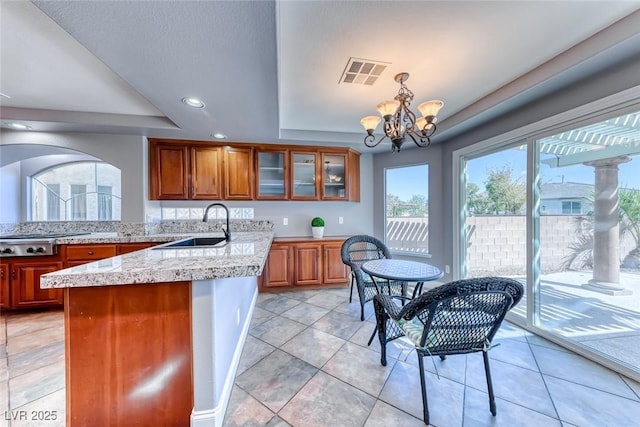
(2, 274)
(13, 274)
(90, 253)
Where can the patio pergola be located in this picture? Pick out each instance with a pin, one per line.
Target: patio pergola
(603, 146)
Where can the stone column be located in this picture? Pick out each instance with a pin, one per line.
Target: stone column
(606, 228)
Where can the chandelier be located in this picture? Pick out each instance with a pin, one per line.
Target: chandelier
(400, 122)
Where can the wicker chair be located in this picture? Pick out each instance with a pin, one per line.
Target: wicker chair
(456, 318)
(357, 250)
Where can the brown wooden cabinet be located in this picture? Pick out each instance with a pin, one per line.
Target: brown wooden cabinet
(307, 264)
(125, 248)
(199, 170)
(305, 169)
(334, 176)
(206, 182)
(295, 262)
(24, 278)
(340, 176)
(238, 173)
(82, 254)
(128, 355)
(353, 176)
(5, 301)
(334, 270)
(272, 174)
(277, 269)
(20, 276)
(169, 171)
(180, 171)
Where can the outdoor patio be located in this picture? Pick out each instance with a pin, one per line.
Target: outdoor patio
(608, 324)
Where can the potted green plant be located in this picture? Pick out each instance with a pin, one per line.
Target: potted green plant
(317, 227)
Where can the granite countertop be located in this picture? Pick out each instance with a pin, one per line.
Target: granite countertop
(244, 256)
(95, 238)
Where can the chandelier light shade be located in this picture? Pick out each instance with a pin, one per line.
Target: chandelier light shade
(370, 122)
(400, 122)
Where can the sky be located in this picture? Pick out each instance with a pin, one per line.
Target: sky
(478, 169)
(407, 181)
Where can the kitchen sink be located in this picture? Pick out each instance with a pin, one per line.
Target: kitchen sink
(194, 242)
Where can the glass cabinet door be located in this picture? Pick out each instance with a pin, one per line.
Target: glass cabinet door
(272, 175)
(304, 185)
(334, 176)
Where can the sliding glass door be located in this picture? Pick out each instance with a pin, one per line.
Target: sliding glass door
(494, 219)
(589, 224)
(561, 213)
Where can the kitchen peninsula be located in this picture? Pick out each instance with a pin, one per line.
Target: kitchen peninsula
(154, 337)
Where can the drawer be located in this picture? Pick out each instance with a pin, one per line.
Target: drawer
(90, 252)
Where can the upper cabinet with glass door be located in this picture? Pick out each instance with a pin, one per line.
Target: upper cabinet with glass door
(304, 182)
(272, 175)
(334, 177)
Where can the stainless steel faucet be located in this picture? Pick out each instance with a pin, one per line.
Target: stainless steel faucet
(227, 232)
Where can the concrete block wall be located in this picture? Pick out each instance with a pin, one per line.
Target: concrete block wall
(497, 244)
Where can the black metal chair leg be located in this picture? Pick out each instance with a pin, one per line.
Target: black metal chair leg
(492, 400)
(381, 327)
(383, 353)
(372, 335)
(351, 291)
(425, 405)
(361, 311)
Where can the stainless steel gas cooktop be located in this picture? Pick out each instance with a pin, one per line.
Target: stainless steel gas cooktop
(30, 244)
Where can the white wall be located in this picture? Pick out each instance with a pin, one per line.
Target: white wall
(10, 193)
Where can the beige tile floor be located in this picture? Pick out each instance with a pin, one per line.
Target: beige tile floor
(306, 363)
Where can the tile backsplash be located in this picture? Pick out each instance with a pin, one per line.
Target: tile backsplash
(198, 213)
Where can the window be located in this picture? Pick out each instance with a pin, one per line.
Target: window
(407, 209)
(78, 191)
(104, 202)
(78, 201)
(571, 208)
(53, 202)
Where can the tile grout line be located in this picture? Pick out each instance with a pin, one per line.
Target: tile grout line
(345, 341)
(544, 381)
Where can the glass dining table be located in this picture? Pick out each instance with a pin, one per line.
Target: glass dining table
(402, 270)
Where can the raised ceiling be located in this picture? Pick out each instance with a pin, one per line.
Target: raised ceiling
(270, 71)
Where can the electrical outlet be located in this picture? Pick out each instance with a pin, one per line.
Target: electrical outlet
(285, 221)
(340, 220)
(447, 269)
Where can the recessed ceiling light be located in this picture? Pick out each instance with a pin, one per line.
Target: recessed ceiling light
(219, 135)
(19, 126)
(192, 102)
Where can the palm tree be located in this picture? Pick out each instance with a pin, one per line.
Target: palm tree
(630, 223)
(581, 255)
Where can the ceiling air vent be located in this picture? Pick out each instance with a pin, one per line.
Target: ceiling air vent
(362, 71)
